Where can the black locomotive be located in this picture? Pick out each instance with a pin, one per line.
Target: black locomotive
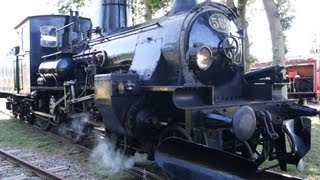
(175, 86)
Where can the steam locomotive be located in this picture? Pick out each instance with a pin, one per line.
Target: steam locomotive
(173, 87)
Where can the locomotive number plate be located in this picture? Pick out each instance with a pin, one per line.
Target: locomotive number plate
(219, 23)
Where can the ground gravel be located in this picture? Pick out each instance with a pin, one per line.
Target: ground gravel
(75, 169)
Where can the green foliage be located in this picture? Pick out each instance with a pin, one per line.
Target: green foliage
(240, 4)
(65, 5)
(253, 59)
(285, 12)
(147, 7)
(157, 4)
(143, 10)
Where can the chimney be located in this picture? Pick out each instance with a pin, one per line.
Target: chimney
(183, 5)
(114, 14)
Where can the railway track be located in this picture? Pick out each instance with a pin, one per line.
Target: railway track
(140, 173)
(136, 171)
(25, 166)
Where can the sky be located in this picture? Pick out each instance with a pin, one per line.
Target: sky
(301, 37)
(12, 12)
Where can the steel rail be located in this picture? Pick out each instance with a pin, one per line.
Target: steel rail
(136, 171)
(37, 170)
(143, 173)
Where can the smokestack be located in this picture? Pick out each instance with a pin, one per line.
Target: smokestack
(114, 14)
(183, 5)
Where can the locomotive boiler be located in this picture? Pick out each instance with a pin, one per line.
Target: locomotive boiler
(173, 87)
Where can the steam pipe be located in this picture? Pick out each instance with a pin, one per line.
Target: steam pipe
(77, 23)
(71, 28)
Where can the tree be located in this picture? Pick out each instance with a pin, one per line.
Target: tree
(243, 23)
(65, 5)
(279, 20)
(286, 17)
(148, 10)
(149, 7)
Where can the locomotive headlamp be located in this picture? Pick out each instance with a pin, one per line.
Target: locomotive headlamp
(204, 58)
(201, 56)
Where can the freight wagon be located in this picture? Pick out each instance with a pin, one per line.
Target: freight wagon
(302, 76)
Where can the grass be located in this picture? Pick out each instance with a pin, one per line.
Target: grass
(16, 134)
(311, 160)
(101, 173)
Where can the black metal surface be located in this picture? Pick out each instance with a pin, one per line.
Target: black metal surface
(114, 94)
(265, 119)
(299, 132)
(295, 110)
(265, 91)
(267, 175)
(60, 69)
(204, 30)
(243, 123)
(156, 52)
(182, 5)
(271, 71)
(31, 51)
(115, 15)
(181, 159)
(148, 87)
(192, 97)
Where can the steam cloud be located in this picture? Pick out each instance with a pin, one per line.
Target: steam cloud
(77, 126)
(108, 156)
(105, 153)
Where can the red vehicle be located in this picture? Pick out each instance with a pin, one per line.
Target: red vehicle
(303, 77)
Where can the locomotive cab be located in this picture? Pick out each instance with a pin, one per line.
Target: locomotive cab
(27, 72)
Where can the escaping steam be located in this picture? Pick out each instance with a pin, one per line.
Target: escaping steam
(75, 128)
(107, 155)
